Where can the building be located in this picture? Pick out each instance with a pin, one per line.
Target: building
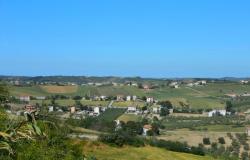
(24, 98)
(119, 97)
(248, 131)
(217, 112)
(97, 110)
(150, 100)
(40, 97)
(72, 109)
(156, 110)
(134, 98)
(146, 128)
(30, 108)
(51, 108)
(128, 98)
(103, 97)
(172, 84)
(244, 82)
(131, 109)
(146, 87)
(231, 95)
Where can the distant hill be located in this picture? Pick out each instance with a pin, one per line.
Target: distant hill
(86, 79)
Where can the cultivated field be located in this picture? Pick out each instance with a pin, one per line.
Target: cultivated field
(59, 89)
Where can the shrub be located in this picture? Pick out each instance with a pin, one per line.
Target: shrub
(221, 140)
(206, 141)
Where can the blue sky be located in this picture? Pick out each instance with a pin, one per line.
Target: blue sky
(148, 38)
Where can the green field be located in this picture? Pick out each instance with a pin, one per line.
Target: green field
(104, 152)
(129, 117)
(209, 96)
(111, 114)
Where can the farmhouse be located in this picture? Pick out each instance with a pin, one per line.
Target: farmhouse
(146, 128)
(217, 112)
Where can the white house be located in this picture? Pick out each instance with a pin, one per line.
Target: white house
(103, 97)
(134, 98)
(173, 83)
(51, 108)
(215, 112)
(24, 98)
(131, 109)
(97, 110)
(150, 100)
(128, 98)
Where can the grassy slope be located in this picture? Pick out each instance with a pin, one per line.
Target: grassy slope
(104, 152)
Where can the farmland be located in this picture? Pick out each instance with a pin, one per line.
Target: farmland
(59, 89)
(209, 96)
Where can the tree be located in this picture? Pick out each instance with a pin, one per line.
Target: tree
(221, 140)
(229, 106)
(77, 98)
(166, 104)
(164, 112)
(206, 141)
(4, 92)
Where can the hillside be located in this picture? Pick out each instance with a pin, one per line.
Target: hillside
(104, 152)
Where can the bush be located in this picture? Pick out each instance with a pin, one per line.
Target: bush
(206, 141)
(221, 140)
(177, 147)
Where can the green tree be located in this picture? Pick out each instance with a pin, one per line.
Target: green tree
(4, 93)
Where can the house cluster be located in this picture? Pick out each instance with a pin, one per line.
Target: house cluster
(126, 98)
(78, 113)
(198, 83)
(174, 85)
(244, 82)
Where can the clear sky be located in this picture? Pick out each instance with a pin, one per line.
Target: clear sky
(148, 38)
